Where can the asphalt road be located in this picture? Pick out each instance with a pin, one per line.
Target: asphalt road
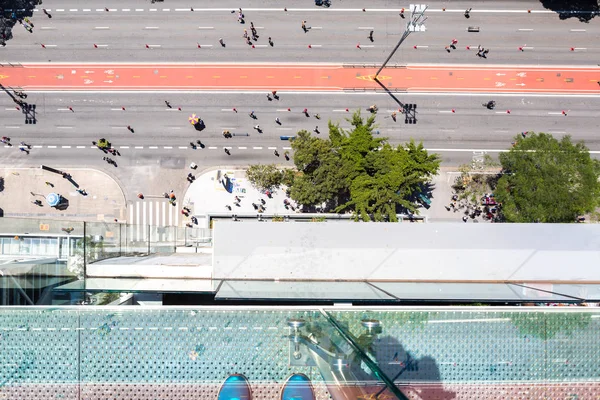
(173, 33)
(161, 136)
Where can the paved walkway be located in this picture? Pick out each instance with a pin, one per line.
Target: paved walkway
(207, 195)
(105, 200)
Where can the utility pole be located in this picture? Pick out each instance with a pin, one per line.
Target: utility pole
(416, 23)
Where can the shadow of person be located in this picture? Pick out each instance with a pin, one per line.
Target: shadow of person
(418, 378)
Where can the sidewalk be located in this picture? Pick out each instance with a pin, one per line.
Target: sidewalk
(105, 200)
(207, 195)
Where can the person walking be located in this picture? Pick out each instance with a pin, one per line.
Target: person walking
(276, 153)
(270, 41)
(277, 121)
(257, 127)
(245, 34)
(222, 42)
(468, 13)
(252, 115)
(226, 151)
(370, 37)
(316, 130)
(269, 97)
(304, 27)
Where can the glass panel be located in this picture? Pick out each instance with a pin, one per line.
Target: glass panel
(582, 291)
(140, 285)
(332, 291)
(436, 352)
(465, 291)
(87, 352)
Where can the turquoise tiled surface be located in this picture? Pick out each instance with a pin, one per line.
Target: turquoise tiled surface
(93, 346)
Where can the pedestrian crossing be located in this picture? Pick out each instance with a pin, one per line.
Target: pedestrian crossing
(151, 213)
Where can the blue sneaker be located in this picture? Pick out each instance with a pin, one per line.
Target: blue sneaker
(298, 387)
(235, 387)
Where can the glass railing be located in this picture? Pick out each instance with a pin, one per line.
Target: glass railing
(38, 255)
(428, 353)
(94, 240)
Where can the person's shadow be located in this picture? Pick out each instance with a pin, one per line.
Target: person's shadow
(405, 370)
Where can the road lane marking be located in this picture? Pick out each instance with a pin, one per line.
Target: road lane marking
(577, 30)
(47, 28)
(138, 147)
(101, 27)
(153, 147)
(51, 147)
(257, 148)
(525, 30)
(206, 27)
(65, 147)
(366, 27)
(242, 148)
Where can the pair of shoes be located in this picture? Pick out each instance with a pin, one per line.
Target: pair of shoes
(297, 387)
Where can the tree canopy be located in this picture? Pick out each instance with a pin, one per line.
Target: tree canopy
(547, 180)
(356, 172)
(268, 177)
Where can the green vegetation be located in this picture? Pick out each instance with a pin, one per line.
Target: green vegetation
(268, 177)
(358, 173)
(547, 180)
(547, 325)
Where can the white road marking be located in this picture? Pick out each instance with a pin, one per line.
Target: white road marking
(47, 28)
(525, 30)
(73, 9)
(12, 127)
(168, 147)
(65, 147)
(286, 148)
(284, 129)
(316, 27)
(366, 27)
(206, 27)
(64, 127)
(51, 45)
(242, 148)
(101, 27)
(60, 9)
(153, 147)
(577, 30)
(139, 9)
(124, 147)
(138, 147)
(213, 148)
(151, 27)
(257, 148)
(272, 148)
(102, 45)
(86, 10)
(152, 46)
(83, 147)
(51, 147)
(126, 9)
(554, 113)
(183, 147)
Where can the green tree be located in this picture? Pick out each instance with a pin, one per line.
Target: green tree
(265, 176)
(547, 325)
(547, 180)
(356, 172)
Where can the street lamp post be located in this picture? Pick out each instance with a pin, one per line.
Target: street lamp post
(416, 23)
